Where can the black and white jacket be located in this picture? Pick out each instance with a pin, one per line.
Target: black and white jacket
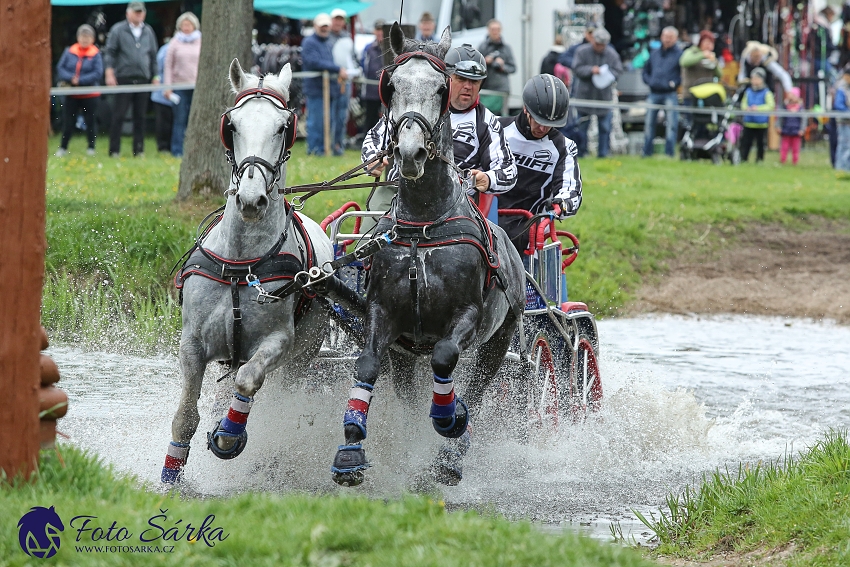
(546, 169)
(479, 143)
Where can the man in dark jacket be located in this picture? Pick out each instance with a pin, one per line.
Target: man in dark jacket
(597, 66)
(500, 63)
(663, 76)
(372, 62)
(317, 55)
(566, 58)
(130, 59)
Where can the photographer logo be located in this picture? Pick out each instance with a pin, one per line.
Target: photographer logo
(38, 532)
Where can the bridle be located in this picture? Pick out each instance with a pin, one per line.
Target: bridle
(271, 172)
(410, 118)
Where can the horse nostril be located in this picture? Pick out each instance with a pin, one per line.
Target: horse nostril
(238, 200)
(421, 155)
(262, 202)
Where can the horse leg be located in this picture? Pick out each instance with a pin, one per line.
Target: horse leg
(186, 419)
(489, 360)
(403, 366)
(229, 437)
(350, 460)
(449, 413)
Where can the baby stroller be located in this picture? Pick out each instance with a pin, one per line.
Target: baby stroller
(712, 136)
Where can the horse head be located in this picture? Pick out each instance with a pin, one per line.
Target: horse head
(416, 90)
(257, 133)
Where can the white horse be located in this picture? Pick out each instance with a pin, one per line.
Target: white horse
(256, 246)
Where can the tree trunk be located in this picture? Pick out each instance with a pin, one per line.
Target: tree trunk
(24, 122)
(226, 28)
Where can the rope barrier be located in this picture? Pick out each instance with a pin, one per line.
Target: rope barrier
(579, 103)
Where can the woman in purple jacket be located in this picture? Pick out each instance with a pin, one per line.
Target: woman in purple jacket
(80, 66)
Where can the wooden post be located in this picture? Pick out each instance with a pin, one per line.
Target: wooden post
(24, 122)
(326, 108)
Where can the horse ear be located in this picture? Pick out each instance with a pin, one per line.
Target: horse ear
(445, 42)
(285, 76)
(237, 76)
(396, 39)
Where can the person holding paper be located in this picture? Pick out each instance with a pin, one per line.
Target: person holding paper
(598, 66)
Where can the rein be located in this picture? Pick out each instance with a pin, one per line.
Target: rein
(333, 185)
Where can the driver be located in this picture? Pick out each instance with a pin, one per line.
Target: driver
(548, 176)
(478, 139)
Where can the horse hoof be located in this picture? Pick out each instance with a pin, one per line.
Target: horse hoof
(455, 426)
(349, 478)
(171, 476)
(349, 464)
(447, 468)
(240, 440)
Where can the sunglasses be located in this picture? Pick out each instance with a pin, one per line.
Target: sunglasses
(472, 68)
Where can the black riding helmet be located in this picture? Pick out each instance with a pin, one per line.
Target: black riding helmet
(466, 61)
(547, 100)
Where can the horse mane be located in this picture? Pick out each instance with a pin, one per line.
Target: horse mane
(270, 81)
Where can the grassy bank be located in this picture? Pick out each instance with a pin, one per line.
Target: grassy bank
(796, 510)
(114, 229)
(265, 529)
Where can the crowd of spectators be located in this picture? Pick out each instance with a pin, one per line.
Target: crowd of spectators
(131, 56)
(590, 68)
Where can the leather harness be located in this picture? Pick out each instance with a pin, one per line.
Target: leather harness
(447, 230)
(272, 266)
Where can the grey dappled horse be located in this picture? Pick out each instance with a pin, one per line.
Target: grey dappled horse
(449, 281)
(253, 243)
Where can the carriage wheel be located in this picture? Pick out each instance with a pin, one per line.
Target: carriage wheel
(543, 387)
(587, 382)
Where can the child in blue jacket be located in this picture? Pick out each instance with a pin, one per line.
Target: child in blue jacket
(756, 97)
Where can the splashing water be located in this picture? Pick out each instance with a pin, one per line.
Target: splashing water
(683, 396)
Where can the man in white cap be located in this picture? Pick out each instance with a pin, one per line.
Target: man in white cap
(598, 66)
(346, 58)
(317, 55)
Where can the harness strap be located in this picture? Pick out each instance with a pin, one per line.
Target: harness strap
(236, 358)
(413, 276)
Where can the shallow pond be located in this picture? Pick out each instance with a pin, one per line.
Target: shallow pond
(683, 396)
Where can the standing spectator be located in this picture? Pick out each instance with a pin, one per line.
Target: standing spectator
(842, 103)
(763, 56)
(597, 66)
(181, 66)
(500, 64)
(791, 127)
(756, 97)
(346, 58)
(130, 59)
(566, 59)
(372, 62)
(699, 65)
(81, 66)
(426, 30)
(317, 55)
(163, 107)
(663, 76)
(547, 66)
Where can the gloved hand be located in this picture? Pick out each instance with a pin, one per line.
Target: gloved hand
(557, 207)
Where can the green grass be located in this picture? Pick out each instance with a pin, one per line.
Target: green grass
(114, 229)
(267, 529)
(802, 501)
